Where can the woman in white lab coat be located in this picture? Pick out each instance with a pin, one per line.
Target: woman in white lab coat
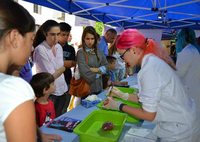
(188, 62)
(163, 97)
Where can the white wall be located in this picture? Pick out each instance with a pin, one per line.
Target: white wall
(48, 13)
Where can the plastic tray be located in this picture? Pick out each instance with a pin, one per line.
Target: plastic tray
(130, 117)
(90, 129)
(126, 90)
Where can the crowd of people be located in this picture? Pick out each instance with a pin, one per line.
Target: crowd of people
(168, 91)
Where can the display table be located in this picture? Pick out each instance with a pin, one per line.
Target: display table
(81, 113)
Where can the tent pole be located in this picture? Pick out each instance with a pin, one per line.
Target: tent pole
(179, 4)
(157, 25)
(88, 12)
(183, 25)
(58, 6)
(183, 13)
(184, 19)
(89, 9)
(115, 21)
(134, 25)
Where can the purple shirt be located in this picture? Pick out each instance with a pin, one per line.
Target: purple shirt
(45, 61)
(26, 72)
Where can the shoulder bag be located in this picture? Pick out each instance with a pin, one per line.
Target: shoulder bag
(79, 87)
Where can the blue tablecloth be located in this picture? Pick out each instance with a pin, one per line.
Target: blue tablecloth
(81, 113)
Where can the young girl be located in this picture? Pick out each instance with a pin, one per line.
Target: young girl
(17, 115)
(164, 99)
(106, 81)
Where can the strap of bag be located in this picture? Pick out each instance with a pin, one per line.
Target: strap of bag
(77, 57)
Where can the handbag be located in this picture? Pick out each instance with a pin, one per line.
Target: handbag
(79, 87)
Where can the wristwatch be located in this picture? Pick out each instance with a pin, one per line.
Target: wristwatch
(121, 106)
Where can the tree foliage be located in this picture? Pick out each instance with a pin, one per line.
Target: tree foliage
(99, 28)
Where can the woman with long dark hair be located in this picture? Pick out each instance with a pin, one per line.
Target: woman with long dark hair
(48, 57)
(17, 113)
(97, 63)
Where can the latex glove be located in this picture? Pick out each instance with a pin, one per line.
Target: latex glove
(112, 104)
(116, 92)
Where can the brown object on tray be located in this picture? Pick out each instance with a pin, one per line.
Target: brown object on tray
(107, 126)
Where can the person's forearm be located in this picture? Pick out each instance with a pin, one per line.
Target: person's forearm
(133, 98)
(139, 113)
(116, 82)
(94, 70)
(58, 72)
(68, 63)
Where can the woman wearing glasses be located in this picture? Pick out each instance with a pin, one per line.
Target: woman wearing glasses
(161, 93)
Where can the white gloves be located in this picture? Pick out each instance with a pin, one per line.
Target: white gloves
(116, 92)
(112, 104)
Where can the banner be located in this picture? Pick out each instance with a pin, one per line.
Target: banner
(83, 22)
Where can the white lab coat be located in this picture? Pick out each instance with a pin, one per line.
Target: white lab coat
(188, 69)
(161, 91)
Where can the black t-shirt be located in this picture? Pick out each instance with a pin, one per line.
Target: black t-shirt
(68, 54)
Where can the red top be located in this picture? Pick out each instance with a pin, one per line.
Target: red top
(44, 113)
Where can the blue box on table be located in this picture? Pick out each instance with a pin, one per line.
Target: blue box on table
(88, 104)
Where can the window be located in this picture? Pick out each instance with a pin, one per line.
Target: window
(62, 17)
(37, 9)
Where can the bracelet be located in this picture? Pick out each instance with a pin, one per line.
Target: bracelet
(99, 71)
(121, 106)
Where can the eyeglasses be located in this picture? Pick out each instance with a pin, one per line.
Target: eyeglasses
(122, 56)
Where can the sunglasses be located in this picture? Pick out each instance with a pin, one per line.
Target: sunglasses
(122, 56)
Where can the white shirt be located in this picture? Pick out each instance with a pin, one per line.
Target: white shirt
(188, 69)
(13, 92)
(45, 61)
(161, 91)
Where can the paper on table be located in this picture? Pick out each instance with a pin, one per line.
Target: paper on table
(139, 134)
(134, 85)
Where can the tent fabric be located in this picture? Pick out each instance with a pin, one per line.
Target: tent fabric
(132, 13)
(139, 14)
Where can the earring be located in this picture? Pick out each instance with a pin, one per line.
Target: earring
(16, 45)
(134, 52)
